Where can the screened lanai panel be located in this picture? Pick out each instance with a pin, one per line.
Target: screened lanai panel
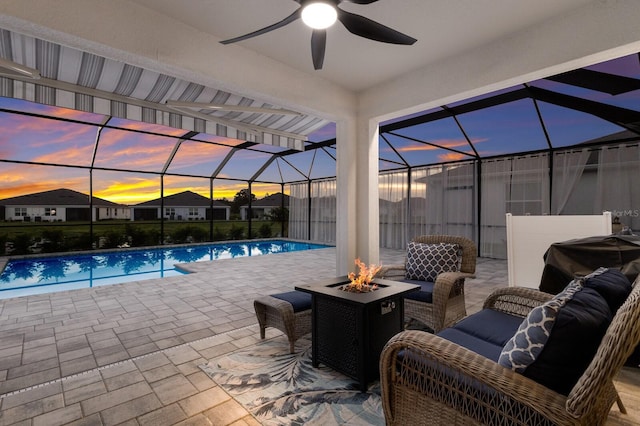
(271, 173)
(505, 129)
(324, 165)
(126, 150)
(50, 110)
(198, 158)
(177, 184)
(302, 162)
(389, 158)
(244, 164)
(416, 153)
(22, 179)
(128, 188)
(43, 140)
(628, 100)
(444, 133)
(384, 166)
(287, 171)
(567, 127)
(227, 189)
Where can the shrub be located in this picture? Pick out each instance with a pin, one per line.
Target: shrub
(265, 230)
(189, 233)
(236, 232)
(218, 234)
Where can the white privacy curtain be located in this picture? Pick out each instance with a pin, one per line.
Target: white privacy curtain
(568, 168)
(443, 200)
(393, 190)
(322, 224)
(617, 187)
(298, 211)
(323, 211)
(517, 185)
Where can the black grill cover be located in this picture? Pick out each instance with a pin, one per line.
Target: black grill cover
(567, 260)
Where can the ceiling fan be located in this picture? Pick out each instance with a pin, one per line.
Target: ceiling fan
(320, 15)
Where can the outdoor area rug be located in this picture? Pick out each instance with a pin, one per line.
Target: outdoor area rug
(279, 388)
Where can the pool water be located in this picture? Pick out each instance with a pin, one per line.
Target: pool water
(22, 277)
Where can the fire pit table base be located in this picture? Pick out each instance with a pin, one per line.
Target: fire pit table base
(349, 330)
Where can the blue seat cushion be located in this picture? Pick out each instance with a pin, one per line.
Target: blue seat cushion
(484, 332)
(300, 301)
(489, 325)
(471, 342)
(426, 291)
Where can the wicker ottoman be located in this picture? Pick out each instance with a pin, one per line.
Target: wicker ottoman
(288, 312)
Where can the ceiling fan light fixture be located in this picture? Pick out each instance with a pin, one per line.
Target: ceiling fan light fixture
(319, 15)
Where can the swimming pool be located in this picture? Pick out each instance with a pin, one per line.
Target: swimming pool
(22, 277)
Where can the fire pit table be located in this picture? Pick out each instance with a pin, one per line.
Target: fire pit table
(349, 330)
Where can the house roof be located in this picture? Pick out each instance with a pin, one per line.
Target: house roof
(273, 200)
(183, 199)
(57, 197)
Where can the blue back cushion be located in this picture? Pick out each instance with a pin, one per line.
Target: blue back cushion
(574, 340)
(300, 300)
(612, 284)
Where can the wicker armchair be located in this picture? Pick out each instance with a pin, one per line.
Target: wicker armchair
(436, 382)
(448, 304)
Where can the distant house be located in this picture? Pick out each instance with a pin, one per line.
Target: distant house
(185, 205)
(60, 205)
(262, 207)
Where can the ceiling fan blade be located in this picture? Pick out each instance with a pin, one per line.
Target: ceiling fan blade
(318, 46)
(225, 107)
(289, 19)
(365, 27)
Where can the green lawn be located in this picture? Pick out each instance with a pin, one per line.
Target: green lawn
(71, 236)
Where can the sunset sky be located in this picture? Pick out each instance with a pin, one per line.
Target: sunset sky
(503, 129)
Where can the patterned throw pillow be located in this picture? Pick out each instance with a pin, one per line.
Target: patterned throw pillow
(426, 261)
(532, 335)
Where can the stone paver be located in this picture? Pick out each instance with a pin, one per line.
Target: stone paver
(129, 354)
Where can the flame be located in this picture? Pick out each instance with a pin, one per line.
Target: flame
(362, 281)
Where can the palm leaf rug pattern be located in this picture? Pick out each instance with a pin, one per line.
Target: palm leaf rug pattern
(281, 388)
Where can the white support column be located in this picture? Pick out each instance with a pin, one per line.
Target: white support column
(357, 221)
(368, 204)
(346, 205)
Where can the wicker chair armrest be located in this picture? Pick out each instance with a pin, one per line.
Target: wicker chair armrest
(391, 271)
(449, 278)
(516, 300)
(458, 365)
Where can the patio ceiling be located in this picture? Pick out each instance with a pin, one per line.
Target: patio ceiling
(83, 81)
